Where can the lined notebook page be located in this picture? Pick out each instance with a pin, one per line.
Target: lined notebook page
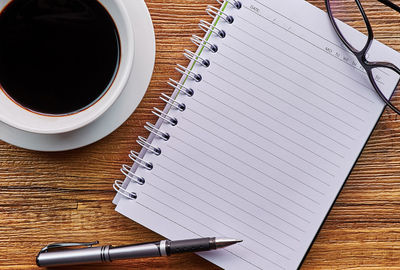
(267, 140)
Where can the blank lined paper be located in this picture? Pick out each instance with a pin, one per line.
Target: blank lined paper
(267, 140)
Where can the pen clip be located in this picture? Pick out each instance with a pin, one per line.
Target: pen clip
(64, 245)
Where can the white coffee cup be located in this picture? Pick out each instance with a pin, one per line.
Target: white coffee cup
(24, 119)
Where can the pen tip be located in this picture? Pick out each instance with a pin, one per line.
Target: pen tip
(224, 242)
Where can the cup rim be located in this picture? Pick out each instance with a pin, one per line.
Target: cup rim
(90, 113)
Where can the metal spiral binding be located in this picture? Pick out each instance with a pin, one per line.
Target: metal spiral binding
(202, 42)
(172, 120)
(236, 4)
(163, 135)
(196, 58)
(120, 190)
(214, 12)
(206, 26)
(169, 100)
(126, 170)
(172, 102)
(143, 143)
(174, 84)
(141, 162)
(185, 71)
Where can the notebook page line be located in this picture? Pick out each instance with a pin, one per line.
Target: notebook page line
(241, 205)
(267, 139)
(194, 233)
(266, 150)
(240, 161)
(241, 100)
(322, 64)
(289, 104)
(243, 159)
(186, 209)
(293, 21)
(219, 220)
(194, 219)
(291, 116)
(235, 231)
(233, 180)
(195, 223)
(245, 141)
(303, 63)
(282, 172)
(313, 192)
(292, 93)
(306, 77)
(246, 188)
(291, 80)
(283, 113)
(235, 194)
(171, 220)
(341, 47)
(273, 130)
(353, 64)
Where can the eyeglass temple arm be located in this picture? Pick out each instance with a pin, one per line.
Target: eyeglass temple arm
(390, 4)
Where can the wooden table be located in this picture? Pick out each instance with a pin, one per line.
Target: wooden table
(50, 197)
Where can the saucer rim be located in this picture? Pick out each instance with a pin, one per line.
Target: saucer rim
(36, 122)
(119, 112)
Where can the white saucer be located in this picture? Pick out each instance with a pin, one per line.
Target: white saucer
(119, 112)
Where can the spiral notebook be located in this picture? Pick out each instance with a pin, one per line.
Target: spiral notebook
(259, 136)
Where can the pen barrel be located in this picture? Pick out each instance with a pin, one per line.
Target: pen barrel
(192, 245)
(135, 251)
(103, 254)
(74, 256)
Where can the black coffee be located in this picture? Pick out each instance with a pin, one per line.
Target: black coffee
(57, 56)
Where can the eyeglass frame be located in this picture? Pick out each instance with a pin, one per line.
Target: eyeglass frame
(361, 55)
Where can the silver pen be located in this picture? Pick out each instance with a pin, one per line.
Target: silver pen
(48, 257)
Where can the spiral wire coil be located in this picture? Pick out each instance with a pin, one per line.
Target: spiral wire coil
(138, 160)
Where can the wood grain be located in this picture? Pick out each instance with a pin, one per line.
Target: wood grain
(50, 197)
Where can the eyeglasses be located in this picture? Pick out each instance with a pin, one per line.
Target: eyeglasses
(338, 9)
